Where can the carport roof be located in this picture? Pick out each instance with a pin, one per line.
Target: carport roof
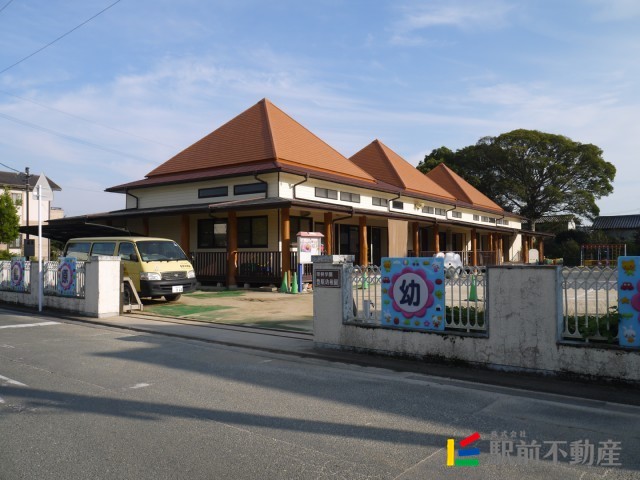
(64, 231)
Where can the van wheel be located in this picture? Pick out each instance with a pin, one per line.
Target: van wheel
(172, 298)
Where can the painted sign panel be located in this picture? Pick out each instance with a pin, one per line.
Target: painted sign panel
(629, 301)
(67, 276)
(413, 293)
(17, 274)
(327, 278)
(309, 243)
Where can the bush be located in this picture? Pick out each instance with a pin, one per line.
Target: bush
(5, 255)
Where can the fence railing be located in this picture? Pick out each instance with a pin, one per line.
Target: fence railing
(50, 279)
(590, 304)
(464, 298)
(5, 277)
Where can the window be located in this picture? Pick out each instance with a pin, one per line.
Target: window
(252, 232)
(16, 198)
(440, 211)
(103, 248)
(380, 202)
(427, 210)
(299, 224)
(79, 250)
(455, 214)
(326, 193)
(476, 218)
(213, 192)
(398, 204)
(16, 243)
(505, 222)
(248, 188)
(212, 233)
(489, 219)
(485, 219)
(126, 251)
(350, 197)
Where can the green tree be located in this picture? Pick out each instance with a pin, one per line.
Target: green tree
(533, 173)
(9, 220)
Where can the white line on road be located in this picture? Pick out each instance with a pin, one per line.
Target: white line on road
(140, 385)
(7, 380)
(24, 325)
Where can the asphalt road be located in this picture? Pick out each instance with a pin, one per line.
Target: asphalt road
(91, 402)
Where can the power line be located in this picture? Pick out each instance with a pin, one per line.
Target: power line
(7, 166)
(87, 120)
(59, 38)
(5, 5)
(70, 138)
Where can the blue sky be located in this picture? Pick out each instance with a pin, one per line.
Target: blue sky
(117, 97)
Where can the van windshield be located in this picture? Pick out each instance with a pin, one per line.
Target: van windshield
(160, 250)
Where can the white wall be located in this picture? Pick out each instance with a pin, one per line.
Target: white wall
(523, 309)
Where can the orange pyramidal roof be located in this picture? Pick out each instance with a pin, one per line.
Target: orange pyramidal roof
(389, 167)
(460, 188)
(262, 133)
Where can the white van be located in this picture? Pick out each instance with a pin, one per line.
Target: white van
(157, 266)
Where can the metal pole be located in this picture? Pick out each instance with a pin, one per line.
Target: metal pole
(40, 286)
(26, 185)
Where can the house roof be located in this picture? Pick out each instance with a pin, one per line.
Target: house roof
(261, 133)
(617, 222)
(386, 165)
(16, 180)
(462, 190)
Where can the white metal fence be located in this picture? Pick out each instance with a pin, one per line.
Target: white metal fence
(50, 278)
(590, 304)
(5, 277)
(464, 298)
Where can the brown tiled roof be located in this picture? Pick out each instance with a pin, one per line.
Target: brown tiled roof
(387, 166)
(263, 132)
(462, 190)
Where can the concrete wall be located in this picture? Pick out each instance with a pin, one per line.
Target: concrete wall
(523, 310)
(102, 291)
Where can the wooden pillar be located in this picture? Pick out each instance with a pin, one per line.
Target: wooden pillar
(232, 249)
(541, 250)
(364, 244)
(145, 226)
(285, 233)
(185, 234)
(436, 238)
(492, 257)
(474, 247)
(525, 249)
(501, 248)
(416, 239)
(328, 233)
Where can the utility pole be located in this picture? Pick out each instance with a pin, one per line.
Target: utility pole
(26, 186)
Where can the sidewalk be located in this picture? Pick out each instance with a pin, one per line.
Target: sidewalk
(301, 345)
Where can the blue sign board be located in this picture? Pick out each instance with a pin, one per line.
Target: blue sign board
(17, 274)
(413, 293)
(67, 276)
(629, 301)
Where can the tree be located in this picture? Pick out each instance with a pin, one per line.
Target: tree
(533, 173)
(9, 220)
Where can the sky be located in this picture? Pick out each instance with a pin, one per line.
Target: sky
(107, 102)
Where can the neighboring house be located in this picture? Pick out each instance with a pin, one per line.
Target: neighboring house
(623, 228)
(555, 223)
(236, 199)
(16, 184)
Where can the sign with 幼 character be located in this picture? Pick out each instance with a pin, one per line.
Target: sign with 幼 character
(413, 293)
(17, 274)
(629, 301)
(67, 276)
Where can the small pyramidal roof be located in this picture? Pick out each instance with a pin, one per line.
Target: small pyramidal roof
(462, 190)
(389, 167)
(262, 133)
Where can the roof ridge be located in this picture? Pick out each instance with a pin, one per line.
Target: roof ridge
(272, 139)
(450, 173)
(383, 148)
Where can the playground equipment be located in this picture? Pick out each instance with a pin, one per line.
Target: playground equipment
(601, 254)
